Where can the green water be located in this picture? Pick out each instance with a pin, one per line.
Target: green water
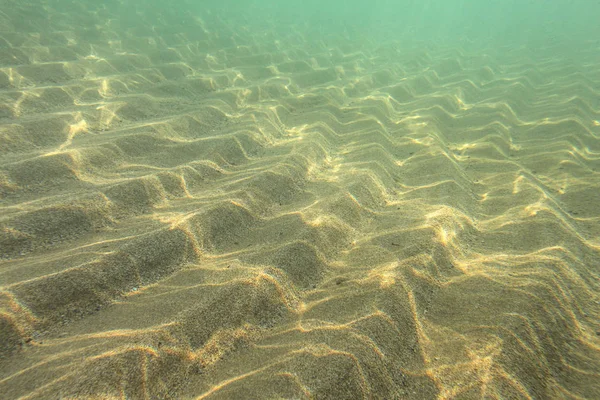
(515, 22)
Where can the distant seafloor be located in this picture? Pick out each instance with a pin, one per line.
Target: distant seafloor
(195, 208)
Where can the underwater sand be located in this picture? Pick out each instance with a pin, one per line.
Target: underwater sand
(212, 214)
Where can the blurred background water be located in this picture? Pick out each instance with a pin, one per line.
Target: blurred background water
(497, 21)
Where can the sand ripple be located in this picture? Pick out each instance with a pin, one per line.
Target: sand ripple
(208, 213)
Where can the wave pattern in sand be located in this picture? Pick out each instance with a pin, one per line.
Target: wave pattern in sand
(211, 213)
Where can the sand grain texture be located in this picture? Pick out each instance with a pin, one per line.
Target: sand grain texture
(197, 211)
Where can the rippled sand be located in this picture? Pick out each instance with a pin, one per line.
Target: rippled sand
(209, 212)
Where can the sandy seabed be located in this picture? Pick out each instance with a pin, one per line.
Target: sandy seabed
(211, 213)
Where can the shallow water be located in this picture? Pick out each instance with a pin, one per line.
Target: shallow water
(246, 200)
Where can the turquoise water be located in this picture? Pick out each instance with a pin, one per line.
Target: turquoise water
(499, 21)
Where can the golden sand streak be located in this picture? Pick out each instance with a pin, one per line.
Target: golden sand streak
(144, 366)
(82, 351)
(303, 388)
(223, 384)
(104, 88)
